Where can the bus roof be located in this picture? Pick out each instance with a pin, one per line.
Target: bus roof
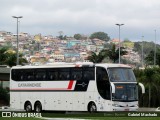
(77, 64)
(112, 65)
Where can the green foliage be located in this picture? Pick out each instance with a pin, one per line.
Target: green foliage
(126, 40)
(147, 47)
(150, 58)
(97, 58)
(3, 56)
(9, 58)
(128, 44)
(4, 96)
(78, 36)
(113, 53)
(150, 77)
(100, 35)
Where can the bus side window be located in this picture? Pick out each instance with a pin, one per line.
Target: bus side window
(29, 75)
(41, 74)
(53, 74)
(15, 75)
(102, 74)
(88, 73)
(64, 74)
(76, 73)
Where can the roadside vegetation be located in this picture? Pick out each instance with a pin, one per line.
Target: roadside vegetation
(150, 77)
(8, 57)
(4, 96)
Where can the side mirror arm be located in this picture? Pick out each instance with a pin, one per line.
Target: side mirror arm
(142, 87)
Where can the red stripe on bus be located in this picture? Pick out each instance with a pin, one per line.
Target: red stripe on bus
(70, 84)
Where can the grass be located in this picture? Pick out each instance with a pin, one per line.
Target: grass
(88, 116)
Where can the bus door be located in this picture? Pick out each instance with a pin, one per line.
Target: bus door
(103, 87)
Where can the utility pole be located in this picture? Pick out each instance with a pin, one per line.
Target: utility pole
(17, 62)
(119, 25)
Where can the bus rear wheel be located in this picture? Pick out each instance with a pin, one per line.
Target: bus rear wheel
(92, 107)
(38, 107)
(28, 107)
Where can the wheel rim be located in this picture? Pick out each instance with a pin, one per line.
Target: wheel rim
(93, 107)
(28, 108)
(38, 108)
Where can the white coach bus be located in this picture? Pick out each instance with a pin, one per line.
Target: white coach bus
(74, 87)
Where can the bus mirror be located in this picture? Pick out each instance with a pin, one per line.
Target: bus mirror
(113, 88)
(142, 87)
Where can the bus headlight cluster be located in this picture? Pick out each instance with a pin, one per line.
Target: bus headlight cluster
(116, 105)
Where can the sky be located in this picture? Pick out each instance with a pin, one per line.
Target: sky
(48, 17)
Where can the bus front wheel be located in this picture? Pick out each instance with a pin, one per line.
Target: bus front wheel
(92, 107)
(28, 107)
(38, 107)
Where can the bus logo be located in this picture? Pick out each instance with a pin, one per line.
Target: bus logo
(6, 114)
(83, 84)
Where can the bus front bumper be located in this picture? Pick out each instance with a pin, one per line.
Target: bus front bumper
(125, 108)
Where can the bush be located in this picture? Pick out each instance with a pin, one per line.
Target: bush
(4, 96)
(150, 77)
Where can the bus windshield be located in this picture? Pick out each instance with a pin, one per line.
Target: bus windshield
(121, 75)
(125, 92)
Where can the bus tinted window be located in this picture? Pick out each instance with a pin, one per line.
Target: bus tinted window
(40, 74)
(102, 74)
(52, 74)
(64, 74)
(76, 73)
(28, 75)
(121, 74)
(88, 73)
(14, 75)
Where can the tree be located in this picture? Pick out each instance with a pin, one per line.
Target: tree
(100, 35)
(60, 35)
(150, 58)
(78, 36)
(126, 40)
(3, 56)
(113, 53)
(8, 57)
(97, 58)
(150, 77)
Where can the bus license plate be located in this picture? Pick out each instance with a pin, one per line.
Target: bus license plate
(126, 109)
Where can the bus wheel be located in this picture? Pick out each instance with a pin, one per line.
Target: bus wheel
(92, 107)
(38, 107)
(28, 107)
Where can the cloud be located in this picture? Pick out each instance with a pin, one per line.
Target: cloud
(84, 16)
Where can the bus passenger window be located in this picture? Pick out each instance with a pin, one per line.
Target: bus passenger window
(86, 77)
(53, 74)
(88, 73)
(51, 77)
(40, 74)
(76, 73)
(21, 78)
(102, 74)
(64, 74)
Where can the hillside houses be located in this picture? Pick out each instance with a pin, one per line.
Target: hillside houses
(43, 49)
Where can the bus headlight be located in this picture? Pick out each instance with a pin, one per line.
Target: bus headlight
(115, 105)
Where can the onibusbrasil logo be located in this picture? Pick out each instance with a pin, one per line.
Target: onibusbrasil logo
(20, 114)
